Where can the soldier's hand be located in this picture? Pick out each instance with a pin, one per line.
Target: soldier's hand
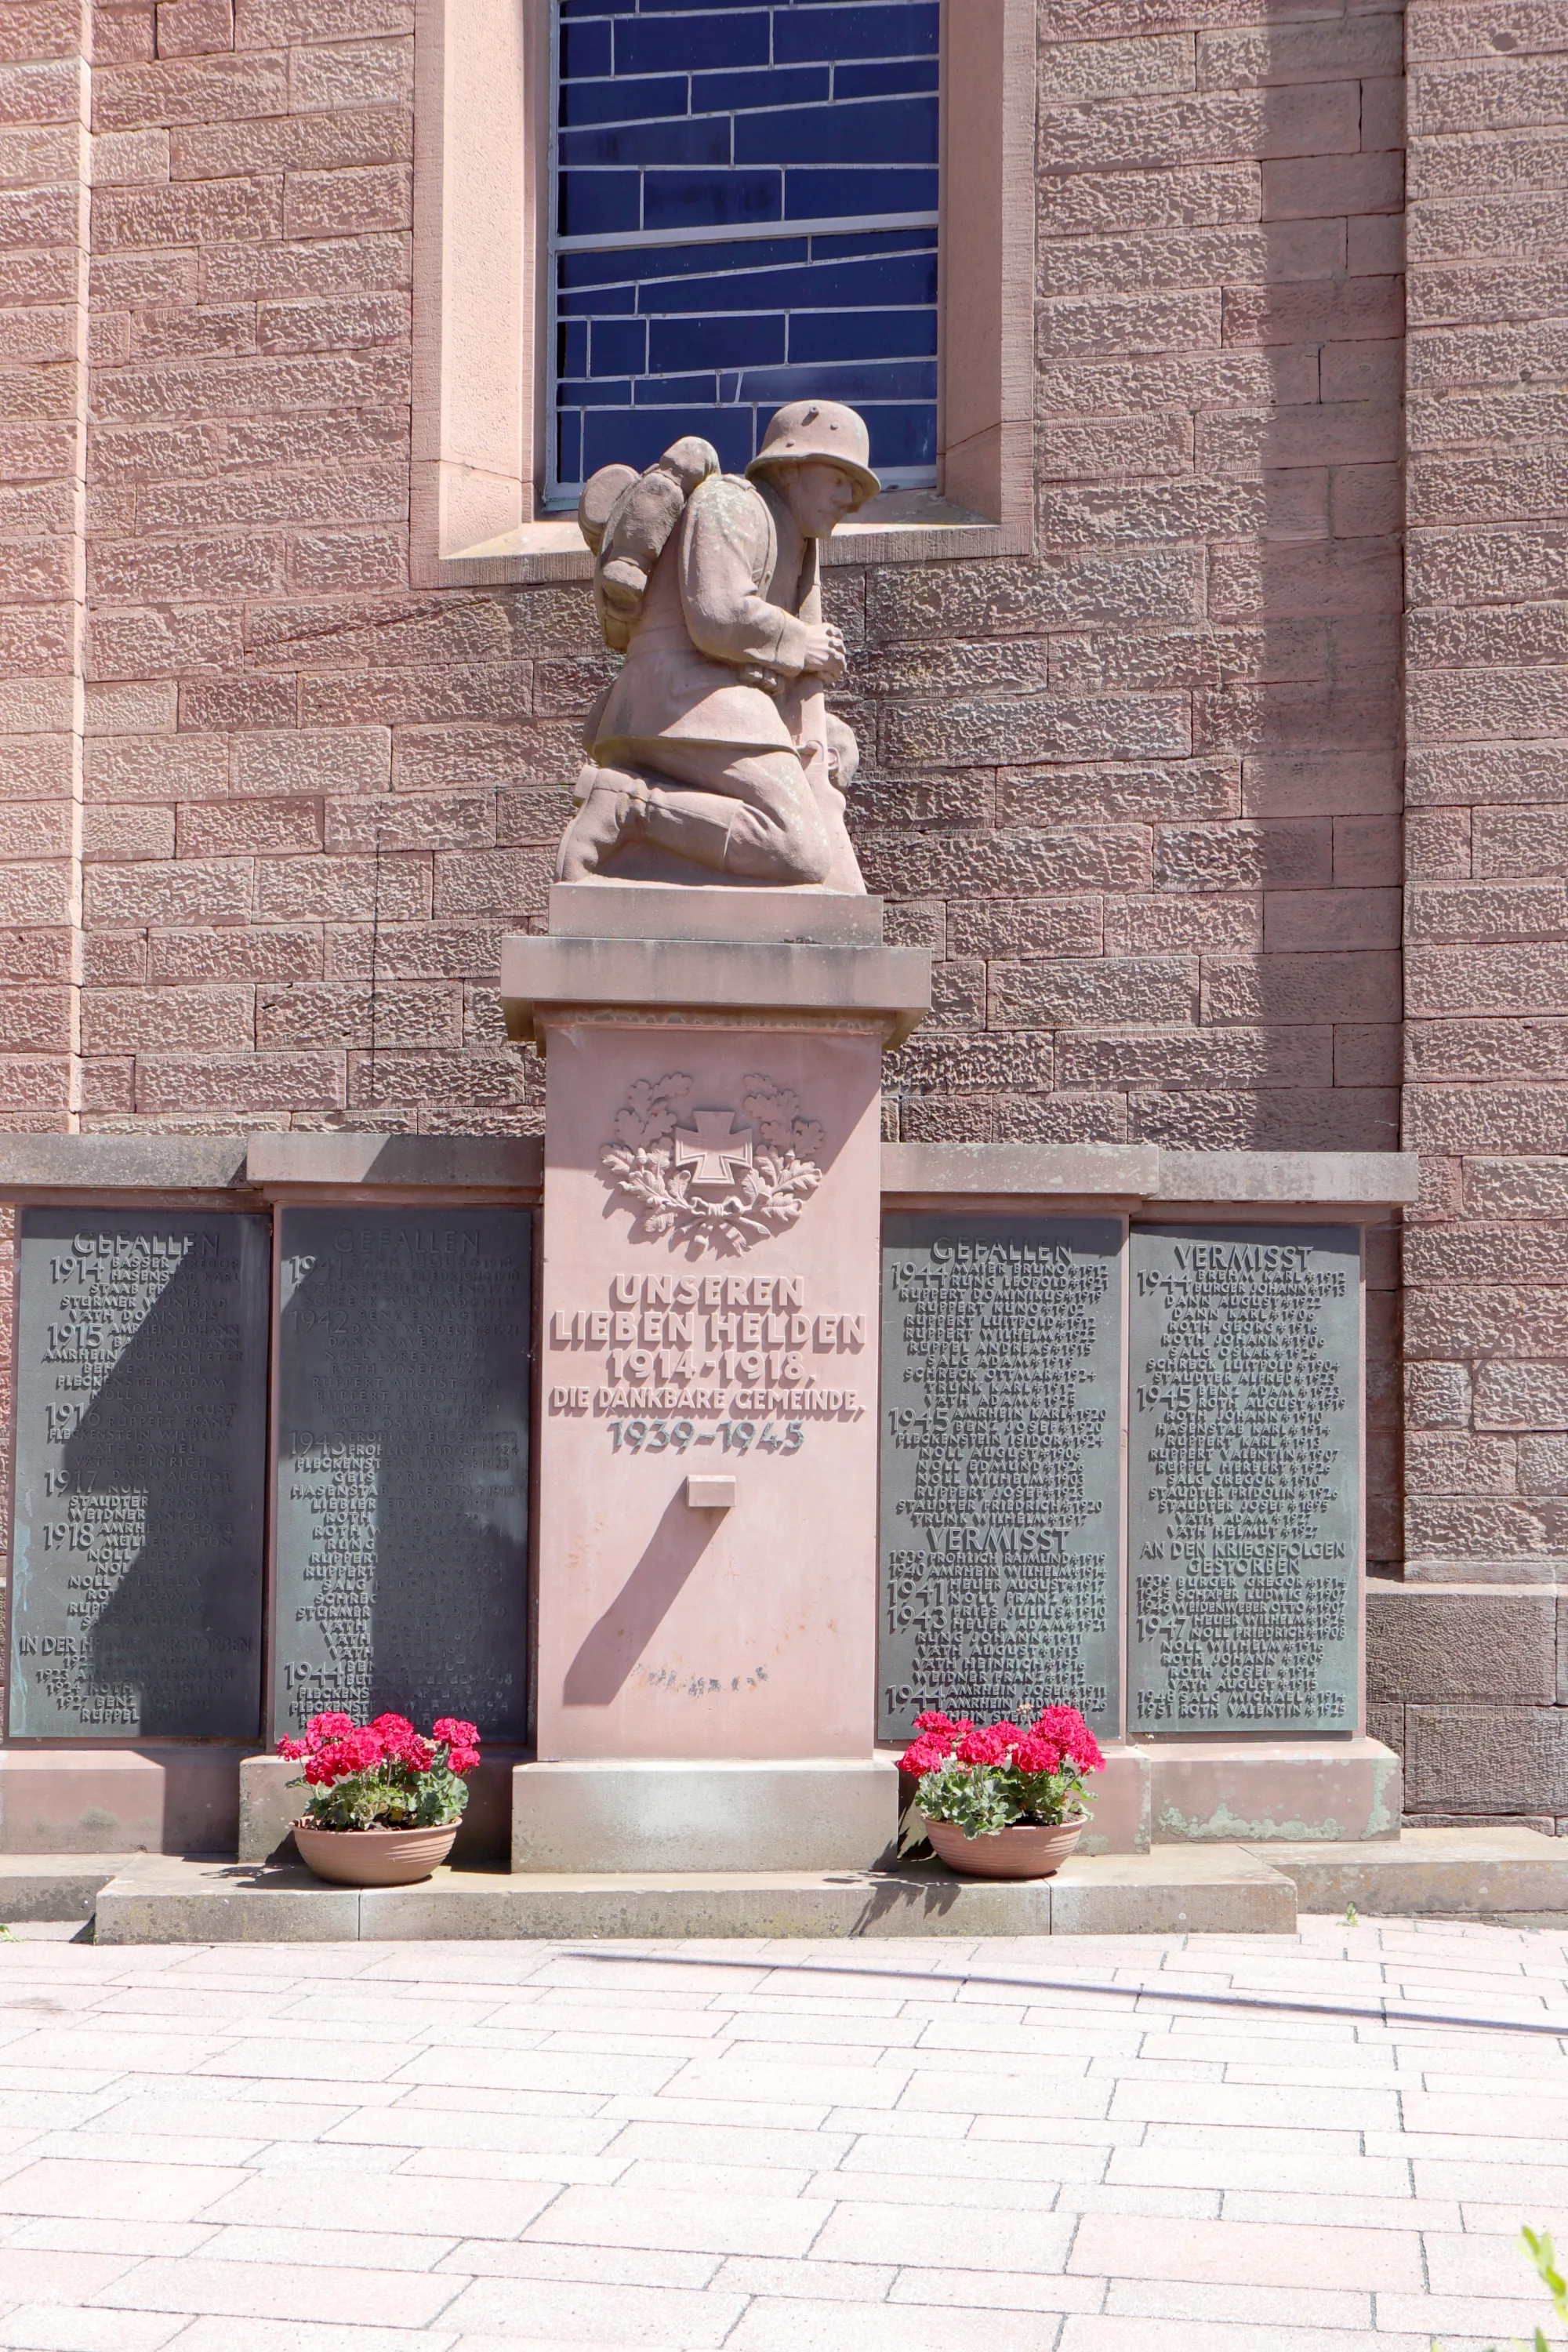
(825, 652)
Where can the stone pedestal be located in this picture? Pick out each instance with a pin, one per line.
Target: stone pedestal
(707, 1435)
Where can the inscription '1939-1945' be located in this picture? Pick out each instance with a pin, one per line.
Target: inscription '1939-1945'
(1001, 1467)
(1245, 1489)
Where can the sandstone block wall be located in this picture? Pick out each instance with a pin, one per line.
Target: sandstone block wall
(265, 811)
(1486, 1070)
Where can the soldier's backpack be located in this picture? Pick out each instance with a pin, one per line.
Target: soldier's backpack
(626, 518)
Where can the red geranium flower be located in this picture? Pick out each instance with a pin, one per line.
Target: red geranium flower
(455, 1731)
(1035, 1753)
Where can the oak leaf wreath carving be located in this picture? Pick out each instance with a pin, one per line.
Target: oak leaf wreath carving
(713, 1178)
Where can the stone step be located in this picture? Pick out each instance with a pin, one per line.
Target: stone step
(1431, 1873)
(146, 1898)
(35, 1886)
(1218, 1888)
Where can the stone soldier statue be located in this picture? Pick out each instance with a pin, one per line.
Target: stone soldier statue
(712, 757)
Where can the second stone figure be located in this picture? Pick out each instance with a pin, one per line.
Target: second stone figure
(712, 756)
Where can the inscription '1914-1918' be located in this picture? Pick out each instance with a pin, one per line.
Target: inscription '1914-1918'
(1001, 1467)
(1245, 1479)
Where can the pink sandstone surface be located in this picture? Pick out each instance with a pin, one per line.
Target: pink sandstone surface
(266, 811)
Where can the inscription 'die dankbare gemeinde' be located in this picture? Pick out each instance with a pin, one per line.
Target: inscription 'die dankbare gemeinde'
(140, 1475)
(1001, 1467)
(402, 1572)
(1244, 1478)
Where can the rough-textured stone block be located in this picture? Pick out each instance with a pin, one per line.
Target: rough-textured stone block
(1429, 1645)
(1488, 1759)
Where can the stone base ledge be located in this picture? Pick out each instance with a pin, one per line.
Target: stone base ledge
(1434, 1873)
(612, 1815)
(1260, 1792)
(154, 1798)
(1217, 1891)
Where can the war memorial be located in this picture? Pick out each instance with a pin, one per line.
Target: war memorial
(705, 958)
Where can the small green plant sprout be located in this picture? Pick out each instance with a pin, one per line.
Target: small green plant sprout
(1539, 2250)
(1353, 1917)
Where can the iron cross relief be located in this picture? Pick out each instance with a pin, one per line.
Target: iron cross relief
(718, 1153)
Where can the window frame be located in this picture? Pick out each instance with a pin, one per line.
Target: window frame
(484, 78)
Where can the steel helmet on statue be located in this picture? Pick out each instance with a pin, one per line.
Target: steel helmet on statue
(804, 431)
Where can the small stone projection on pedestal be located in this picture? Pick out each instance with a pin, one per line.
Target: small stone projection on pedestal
(402, 1465)
(1245, 1482)
(140, 1475)
(1001, 1509)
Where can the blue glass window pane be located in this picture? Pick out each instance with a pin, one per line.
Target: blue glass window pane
(640, 437)
(887, 130)
(603, 392)
(585, 49)
(620, 347)
(706, 140)
(872, 81)
(701, 123)
(594, 299)
(868, 380)
(688, 44)
(658, 391)
(903, 277)
(629, 265)
(861, 334)
(831, 195)
(622, 102)
(902, 437)
(704, 199)
(806, 85)
(802, 33)
(592, 203)
(729, 342)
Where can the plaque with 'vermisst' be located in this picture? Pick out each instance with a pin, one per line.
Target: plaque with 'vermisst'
(1001, 1467)
(1244, 1487)
(140, 1475)
(401, 1547)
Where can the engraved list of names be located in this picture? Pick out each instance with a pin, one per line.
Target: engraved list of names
(402, 1465)
(1244, 1478)
(140, 1475)
(1001, 1467)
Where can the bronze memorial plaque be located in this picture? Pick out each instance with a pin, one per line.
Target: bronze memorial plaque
(1001, 1467)
(401, 1575)
(1244, 1481)
(140, 1475)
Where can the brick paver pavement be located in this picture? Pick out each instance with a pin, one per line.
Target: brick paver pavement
(1108, 2145)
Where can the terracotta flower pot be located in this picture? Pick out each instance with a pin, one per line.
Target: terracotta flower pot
(1021, 1851)
(372, 1857)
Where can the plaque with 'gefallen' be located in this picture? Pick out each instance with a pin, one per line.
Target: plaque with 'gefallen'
(1001, 1467)
(140, 1475)
(1244, 1478)
(402, 1574)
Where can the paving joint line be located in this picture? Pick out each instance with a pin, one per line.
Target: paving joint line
(1383, 2015)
